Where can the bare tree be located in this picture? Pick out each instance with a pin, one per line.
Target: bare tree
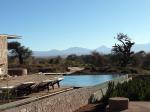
(123, 49)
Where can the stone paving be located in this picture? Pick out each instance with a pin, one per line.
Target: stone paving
(13, 81)
(133, 107)
(138, 107)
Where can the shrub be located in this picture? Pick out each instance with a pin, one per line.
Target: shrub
(137, 89)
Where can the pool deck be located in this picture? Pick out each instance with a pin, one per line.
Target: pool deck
(36, 78)
(137, 106)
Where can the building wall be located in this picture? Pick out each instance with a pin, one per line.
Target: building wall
(3, 55)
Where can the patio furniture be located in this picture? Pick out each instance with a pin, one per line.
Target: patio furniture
(45, 84)
(42, 85)
(23, 88)
(6, 92)
(58, 80)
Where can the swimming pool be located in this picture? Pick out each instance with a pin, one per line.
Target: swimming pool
(86, 80)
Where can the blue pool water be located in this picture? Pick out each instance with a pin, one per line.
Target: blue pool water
(86, 80)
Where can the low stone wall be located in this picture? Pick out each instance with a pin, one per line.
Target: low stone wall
(101, 89)
(17, 71)
(64, 102)
(67, 101)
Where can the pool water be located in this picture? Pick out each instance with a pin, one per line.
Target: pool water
(86, 80)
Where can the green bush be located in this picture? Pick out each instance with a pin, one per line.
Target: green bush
(137, 89)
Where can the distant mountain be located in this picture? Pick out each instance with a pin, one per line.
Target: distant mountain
(135, 48)
(83, 51)
(72, 50)
(46, 53)
(103, 49)
(140, 47)
(76, 50)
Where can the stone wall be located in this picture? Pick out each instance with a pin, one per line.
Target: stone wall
(64, 102)
(68, 101)
(17, 71)
(3, 55)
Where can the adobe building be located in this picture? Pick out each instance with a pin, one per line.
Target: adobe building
(4, 52)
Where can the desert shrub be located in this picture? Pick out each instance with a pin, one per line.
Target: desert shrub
(137, 89)
(109, 93)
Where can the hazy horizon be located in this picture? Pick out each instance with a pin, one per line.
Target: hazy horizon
(61, 24)
(110, 47)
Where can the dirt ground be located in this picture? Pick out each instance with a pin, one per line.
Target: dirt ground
(92, 108)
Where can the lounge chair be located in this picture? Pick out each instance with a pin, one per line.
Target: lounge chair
(6, 92)
(58, 80)
(23, 89)
(42, 85)
(16, 91)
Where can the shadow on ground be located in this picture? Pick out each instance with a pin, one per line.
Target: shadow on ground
(92, 108)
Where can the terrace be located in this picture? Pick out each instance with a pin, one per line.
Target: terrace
(20, 87)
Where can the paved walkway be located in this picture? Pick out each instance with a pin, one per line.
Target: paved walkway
(92, 108)
(133, 107)
(13, 81)
(138, 107)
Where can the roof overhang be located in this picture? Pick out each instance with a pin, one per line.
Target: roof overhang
(10, 36)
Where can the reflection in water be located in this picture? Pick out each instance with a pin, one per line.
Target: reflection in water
(86, 80)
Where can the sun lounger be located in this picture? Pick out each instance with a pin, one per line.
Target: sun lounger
(23, 89)
(45, 84)
(59, 79)
(16, 91)
(56, 81)
(6, 91)
(42, 85)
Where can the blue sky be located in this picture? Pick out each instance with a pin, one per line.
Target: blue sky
(60, 24)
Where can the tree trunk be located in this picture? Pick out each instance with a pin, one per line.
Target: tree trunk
(20, 60)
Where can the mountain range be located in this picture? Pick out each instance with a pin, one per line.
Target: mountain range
(83, 51)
